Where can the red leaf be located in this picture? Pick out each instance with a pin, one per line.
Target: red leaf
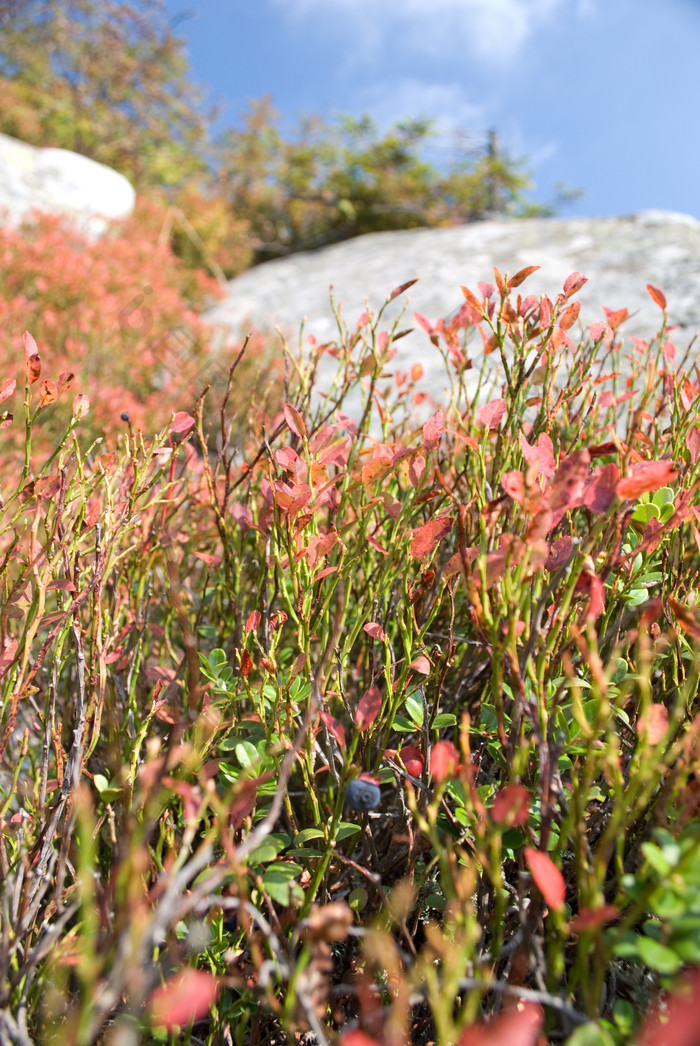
(182, 422)
(692, 442)
(246, 663)
(433, 430)
(601, 490)
(519, 1027)
(183, 999)
(574, 283)
(253, 621)
(294, 420)
(423, 322)
(426, 538)
(514, 485)
(511, 805)
(673, 1020)
(541, 456)
(399, 290)
(412, 759)
(375, 630)
(334, 727)
(81, 405)
(547, 876)
(491, 414)
(444, 760)
(566, 490)
(7, 388)
(368, 708)
(522, 275)
(421, 664)
(657, 295)
(356, 1038)
(33, 358)
(647, 476)
(615, 317)
(590, 918)
(653, 723)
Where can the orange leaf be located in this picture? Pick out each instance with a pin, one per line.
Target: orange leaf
(657, 295)
(647, 476)
(183, 999)
(547, 876)
(33, 358)
(48, 392)
(569, 316)
(685, 618)
(368, 708)
(374, 470)
(426, 538)
(7, 388)
(522, 275)
(473, 300)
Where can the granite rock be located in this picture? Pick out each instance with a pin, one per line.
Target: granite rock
(618, 255)
(62, 182)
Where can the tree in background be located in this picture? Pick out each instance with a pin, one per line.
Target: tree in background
(110, 79)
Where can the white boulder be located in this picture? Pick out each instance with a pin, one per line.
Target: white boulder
(59, 181)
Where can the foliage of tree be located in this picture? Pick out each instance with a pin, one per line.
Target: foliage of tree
(105, 78)
(330, 182)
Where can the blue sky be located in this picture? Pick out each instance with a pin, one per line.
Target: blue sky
(599, 94)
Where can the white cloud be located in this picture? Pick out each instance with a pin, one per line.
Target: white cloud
(491, 31)
(448, 104)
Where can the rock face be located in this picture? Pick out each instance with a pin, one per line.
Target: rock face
(59, 181)
(618, 255)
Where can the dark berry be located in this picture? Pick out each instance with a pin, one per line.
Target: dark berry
(124, 415)
(363, 795)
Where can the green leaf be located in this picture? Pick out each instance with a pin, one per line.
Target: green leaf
(246, 754)
(404, 725)
(308, 833)
(590, 1034)
(656, 859)
(414, 707)
(658, 956)
(345, 829)
(444, 719)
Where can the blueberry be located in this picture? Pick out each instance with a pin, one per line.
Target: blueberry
(362, 795)
(124, 415)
